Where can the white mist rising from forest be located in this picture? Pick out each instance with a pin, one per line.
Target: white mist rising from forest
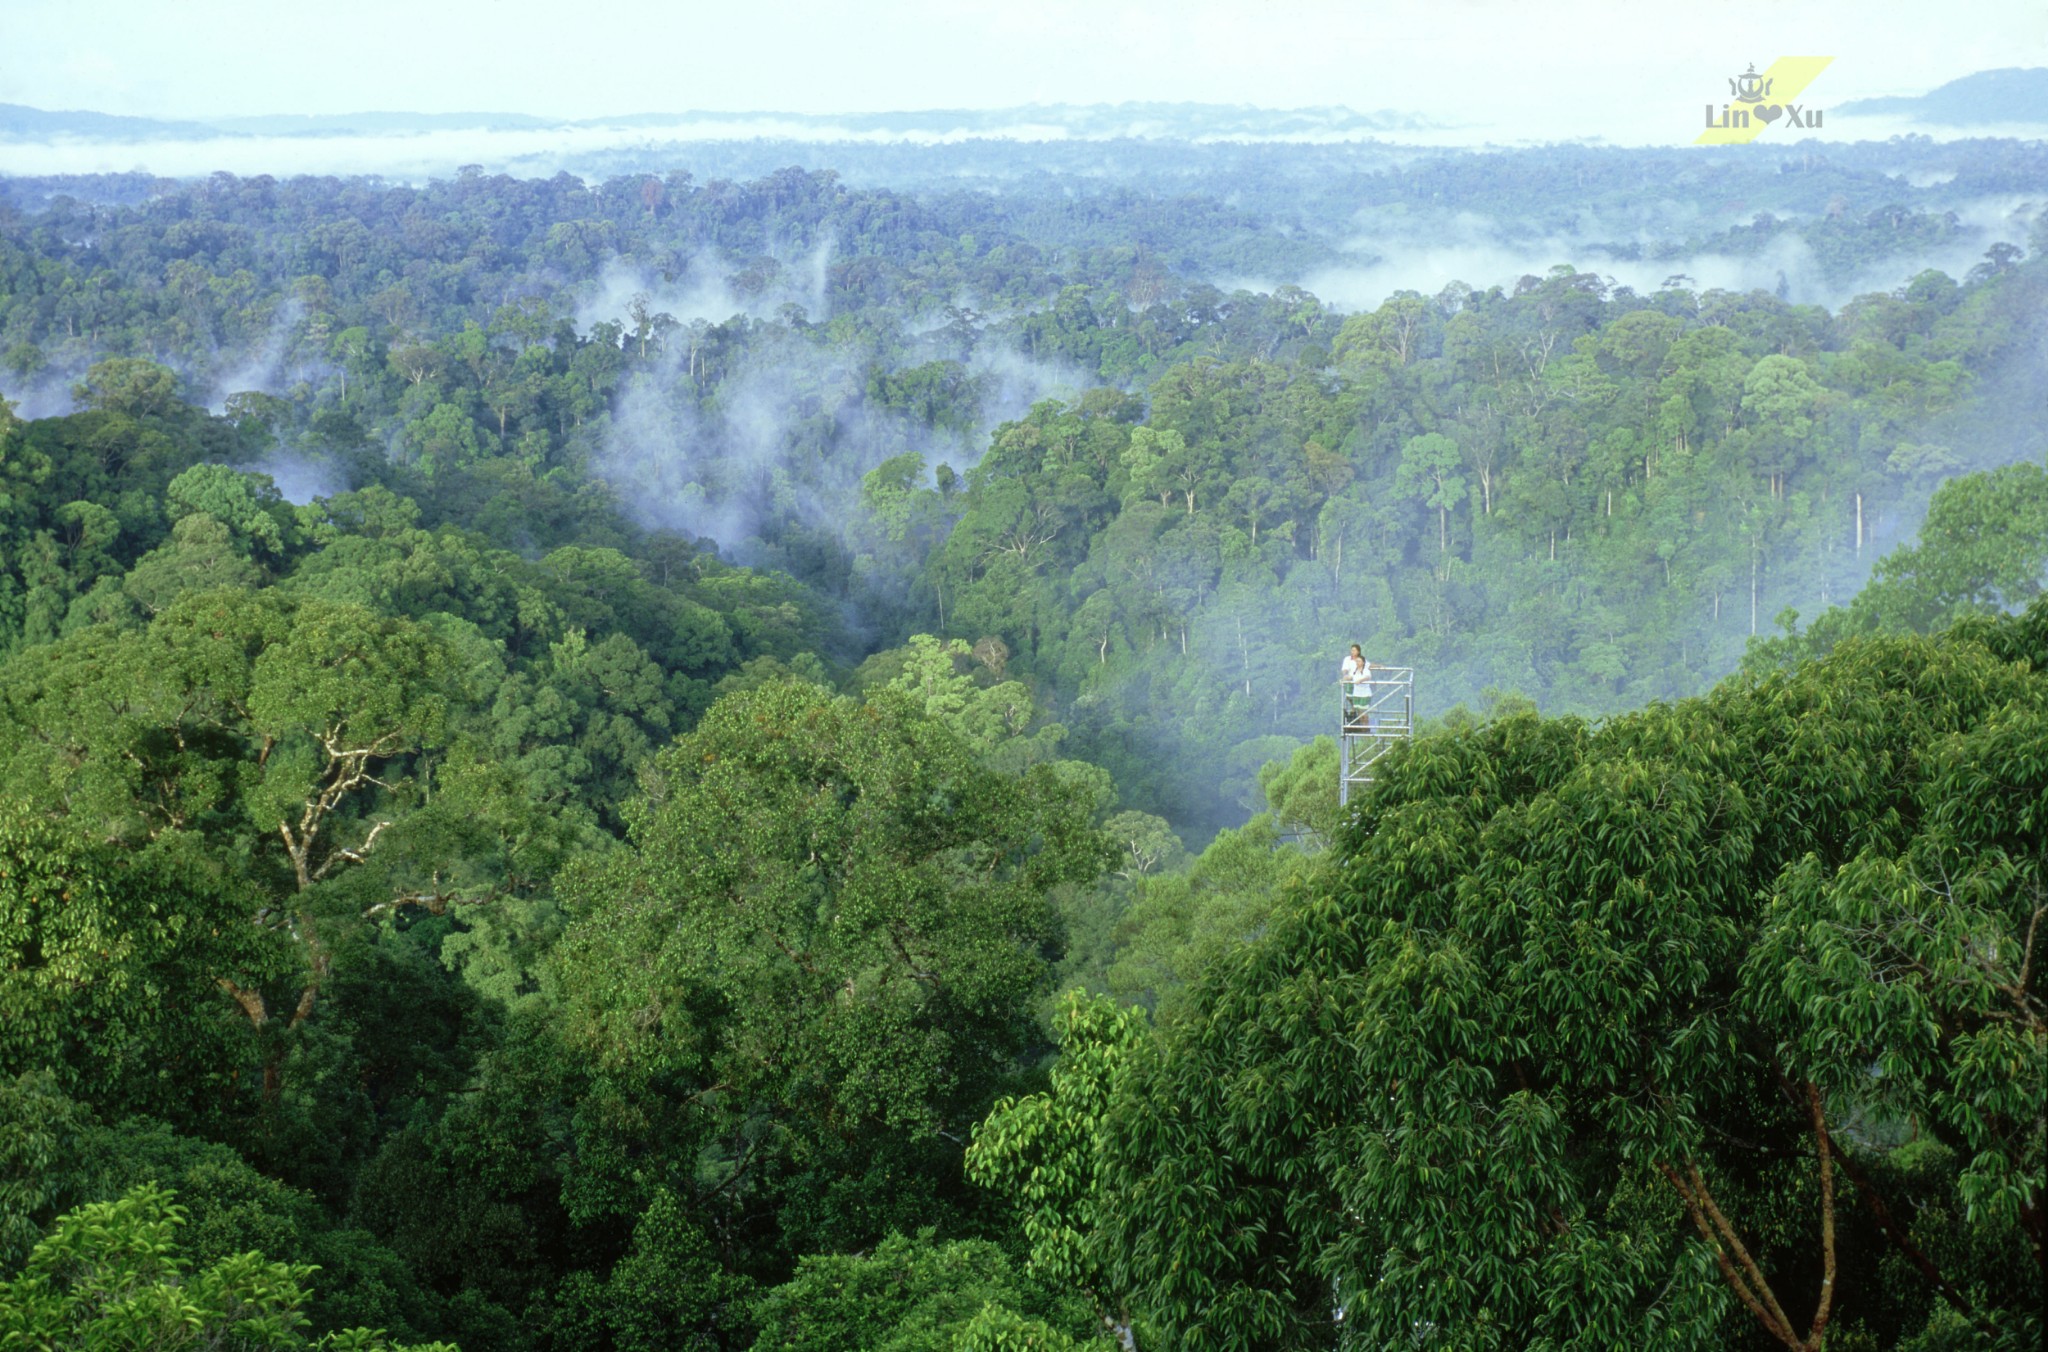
(705, 291)
(262, 368)
(788, 437)
(788, 434)
(300, 478)
(46, 394)
(1479, 252)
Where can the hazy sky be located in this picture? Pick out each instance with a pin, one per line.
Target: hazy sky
(1555, 67)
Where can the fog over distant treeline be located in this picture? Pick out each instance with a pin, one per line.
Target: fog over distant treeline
(2001, 103)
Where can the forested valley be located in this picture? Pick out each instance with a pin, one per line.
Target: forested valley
(646, 764)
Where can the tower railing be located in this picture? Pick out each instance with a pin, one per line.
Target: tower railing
(1376, 713)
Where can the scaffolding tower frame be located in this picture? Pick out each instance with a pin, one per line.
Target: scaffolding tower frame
(1375, 713)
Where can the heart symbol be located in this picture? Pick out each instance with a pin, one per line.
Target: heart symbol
(1770, 112)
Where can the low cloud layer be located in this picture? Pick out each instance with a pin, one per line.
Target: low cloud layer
(388, 146)
(417, 147)
(1477, 251)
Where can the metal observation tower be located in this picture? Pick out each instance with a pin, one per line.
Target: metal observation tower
(1377, 712)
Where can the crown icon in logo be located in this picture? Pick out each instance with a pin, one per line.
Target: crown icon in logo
(1750, 87)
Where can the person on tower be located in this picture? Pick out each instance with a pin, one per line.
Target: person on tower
(1355, 676)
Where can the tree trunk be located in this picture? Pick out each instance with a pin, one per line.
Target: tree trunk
(1753, 564)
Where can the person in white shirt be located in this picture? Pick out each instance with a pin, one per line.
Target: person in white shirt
(1356, 678)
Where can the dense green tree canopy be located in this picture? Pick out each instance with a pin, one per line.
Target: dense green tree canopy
(1721, 1021)
(109, 1276)
(800, 986)
(746, 764)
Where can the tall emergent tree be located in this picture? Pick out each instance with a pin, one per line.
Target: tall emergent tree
(805, 982)
(245, 733)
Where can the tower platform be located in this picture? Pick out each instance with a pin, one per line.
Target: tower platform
(1375, 714)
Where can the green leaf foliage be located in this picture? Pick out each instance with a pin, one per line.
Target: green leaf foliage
(1560, 1048)
(910, 1295)
(107, 965)
(111, 1277)
(799, 989)
(433, 855)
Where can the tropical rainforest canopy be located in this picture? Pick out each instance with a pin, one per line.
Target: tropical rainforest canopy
(657, 764)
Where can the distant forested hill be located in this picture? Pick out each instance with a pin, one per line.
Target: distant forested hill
(2015, 94)
(26, 123)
